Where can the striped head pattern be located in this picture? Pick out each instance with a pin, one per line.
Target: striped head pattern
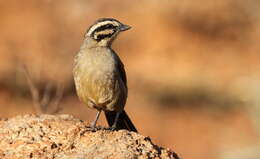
(106, 29)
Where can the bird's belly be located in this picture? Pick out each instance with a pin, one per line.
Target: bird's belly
(98, 83)
(96, 88)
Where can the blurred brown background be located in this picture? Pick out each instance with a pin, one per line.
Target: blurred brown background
(193, 67)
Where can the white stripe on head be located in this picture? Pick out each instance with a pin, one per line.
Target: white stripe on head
(109, 31)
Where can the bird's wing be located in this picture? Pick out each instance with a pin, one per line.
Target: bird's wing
(122, 73)
(121, 69)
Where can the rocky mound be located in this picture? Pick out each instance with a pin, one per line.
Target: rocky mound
(64, 137)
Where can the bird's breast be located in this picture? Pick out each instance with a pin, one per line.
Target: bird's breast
(95, 78)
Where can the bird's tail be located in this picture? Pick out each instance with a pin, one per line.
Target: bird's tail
(123, 122)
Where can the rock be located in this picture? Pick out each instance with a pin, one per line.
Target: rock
(65, 137)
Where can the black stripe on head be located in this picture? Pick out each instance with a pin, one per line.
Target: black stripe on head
(103, 36)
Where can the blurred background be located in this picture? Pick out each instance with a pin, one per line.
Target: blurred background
(193, 68)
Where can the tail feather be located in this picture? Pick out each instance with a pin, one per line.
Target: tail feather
(124, 121)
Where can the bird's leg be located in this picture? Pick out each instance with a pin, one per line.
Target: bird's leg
(93, 124)
(113, 127)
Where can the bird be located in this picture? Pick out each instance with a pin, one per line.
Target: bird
(99, 74)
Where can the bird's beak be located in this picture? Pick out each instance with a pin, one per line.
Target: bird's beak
(124, 27)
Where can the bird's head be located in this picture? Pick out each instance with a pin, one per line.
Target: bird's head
(105, 30)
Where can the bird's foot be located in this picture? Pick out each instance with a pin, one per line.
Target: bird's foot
(112, 128)
(93, 127)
